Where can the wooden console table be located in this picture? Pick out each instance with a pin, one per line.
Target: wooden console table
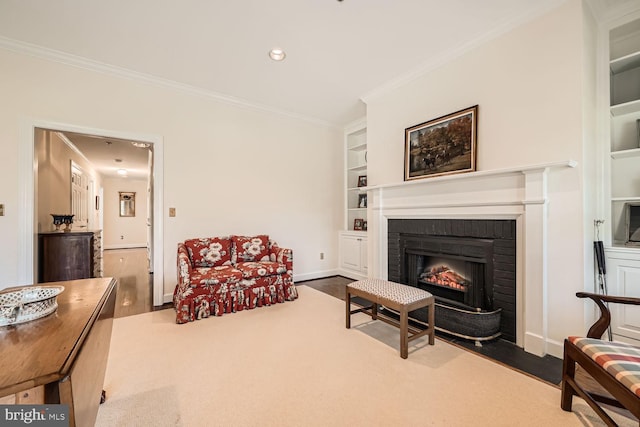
(62, 358)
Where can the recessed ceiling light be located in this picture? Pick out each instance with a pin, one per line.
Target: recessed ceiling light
(122, 172)
(277, 54)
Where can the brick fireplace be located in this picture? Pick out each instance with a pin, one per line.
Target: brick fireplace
(466, 264)
(516, 195)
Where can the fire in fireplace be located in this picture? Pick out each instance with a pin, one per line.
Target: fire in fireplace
(444, 276)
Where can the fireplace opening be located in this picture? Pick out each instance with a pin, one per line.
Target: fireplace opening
(455, 280)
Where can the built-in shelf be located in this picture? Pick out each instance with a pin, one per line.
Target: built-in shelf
(625, 63)
(625, 199)
(358, 168)
(635, 152)
(625, 108)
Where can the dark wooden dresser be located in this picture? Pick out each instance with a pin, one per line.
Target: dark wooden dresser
(65, 256)
(62, 358)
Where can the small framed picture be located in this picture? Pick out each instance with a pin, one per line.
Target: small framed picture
(364, 225)
(358, 223)
(362, 181)
(362, 200)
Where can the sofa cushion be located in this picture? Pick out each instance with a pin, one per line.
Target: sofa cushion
(210, 251)
(222, 274)
(260, 269)
(247, 249)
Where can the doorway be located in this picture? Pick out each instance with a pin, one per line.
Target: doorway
(28, 177)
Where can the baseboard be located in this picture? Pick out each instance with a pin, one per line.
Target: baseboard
(555, 348)
(314, 275)
(352, 275)
(167, 298)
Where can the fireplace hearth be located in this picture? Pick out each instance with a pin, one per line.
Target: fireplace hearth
(468, 265)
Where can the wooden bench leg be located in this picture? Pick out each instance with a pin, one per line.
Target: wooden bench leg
(404, 333)
(374, 311)
(432, 323)
(348, 301)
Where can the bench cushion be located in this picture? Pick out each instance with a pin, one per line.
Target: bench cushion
(397, 292)
(621, 360)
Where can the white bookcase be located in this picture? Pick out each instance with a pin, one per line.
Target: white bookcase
(353, 241)
(356, 176)
(623, 172)
(624, 52)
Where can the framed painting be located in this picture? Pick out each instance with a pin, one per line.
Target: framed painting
(442, 146)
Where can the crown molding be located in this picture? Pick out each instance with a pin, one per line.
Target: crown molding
(611, 11)
(439, 60)
(113, 70)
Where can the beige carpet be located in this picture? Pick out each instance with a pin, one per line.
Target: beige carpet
(295, 364)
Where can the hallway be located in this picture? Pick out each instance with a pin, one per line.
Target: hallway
(135, 284)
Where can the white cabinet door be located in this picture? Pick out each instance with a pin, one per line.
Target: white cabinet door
(623, 273)
(364, 256)
(353, 255)
(350, 253)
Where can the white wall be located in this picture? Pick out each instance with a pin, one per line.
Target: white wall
(124, 232)
(529, 87)
(53, 193)
(227, 169)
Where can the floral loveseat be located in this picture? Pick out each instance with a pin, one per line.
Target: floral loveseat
(220, 275)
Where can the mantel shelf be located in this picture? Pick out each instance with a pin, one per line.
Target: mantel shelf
(478, 174)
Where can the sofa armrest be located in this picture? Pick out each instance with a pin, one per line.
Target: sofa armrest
(184, 266)
(282, 255)
(600, 326)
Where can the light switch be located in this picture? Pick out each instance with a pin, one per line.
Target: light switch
(1, 209)
(172, 211)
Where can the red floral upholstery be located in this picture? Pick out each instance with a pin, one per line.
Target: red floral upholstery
(248, 249)
(209, 252)
(210, 284)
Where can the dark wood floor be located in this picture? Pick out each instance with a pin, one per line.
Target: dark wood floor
(135, 290)
(135, 284)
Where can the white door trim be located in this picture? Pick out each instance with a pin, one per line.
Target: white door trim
(27, 168)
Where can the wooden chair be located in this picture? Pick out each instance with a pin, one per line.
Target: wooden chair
(605, 361)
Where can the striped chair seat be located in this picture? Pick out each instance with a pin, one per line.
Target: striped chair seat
(620, 360)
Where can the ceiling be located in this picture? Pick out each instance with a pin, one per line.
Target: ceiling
(338, 52)
(107, 155)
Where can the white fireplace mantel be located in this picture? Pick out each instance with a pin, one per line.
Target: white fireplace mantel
(518, 193)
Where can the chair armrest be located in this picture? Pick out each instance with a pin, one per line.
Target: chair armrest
(600, 326)
(184, 266)
(282, 255)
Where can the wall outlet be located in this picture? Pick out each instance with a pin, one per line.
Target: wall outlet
(321, 255)
(121, 237)
(172, 211)
(1, 209)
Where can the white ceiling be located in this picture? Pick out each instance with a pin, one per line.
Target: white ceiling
(107, 155)
(337, 52)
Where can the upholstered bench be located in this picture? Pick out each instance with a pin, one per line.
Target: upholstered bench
(396, 296)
